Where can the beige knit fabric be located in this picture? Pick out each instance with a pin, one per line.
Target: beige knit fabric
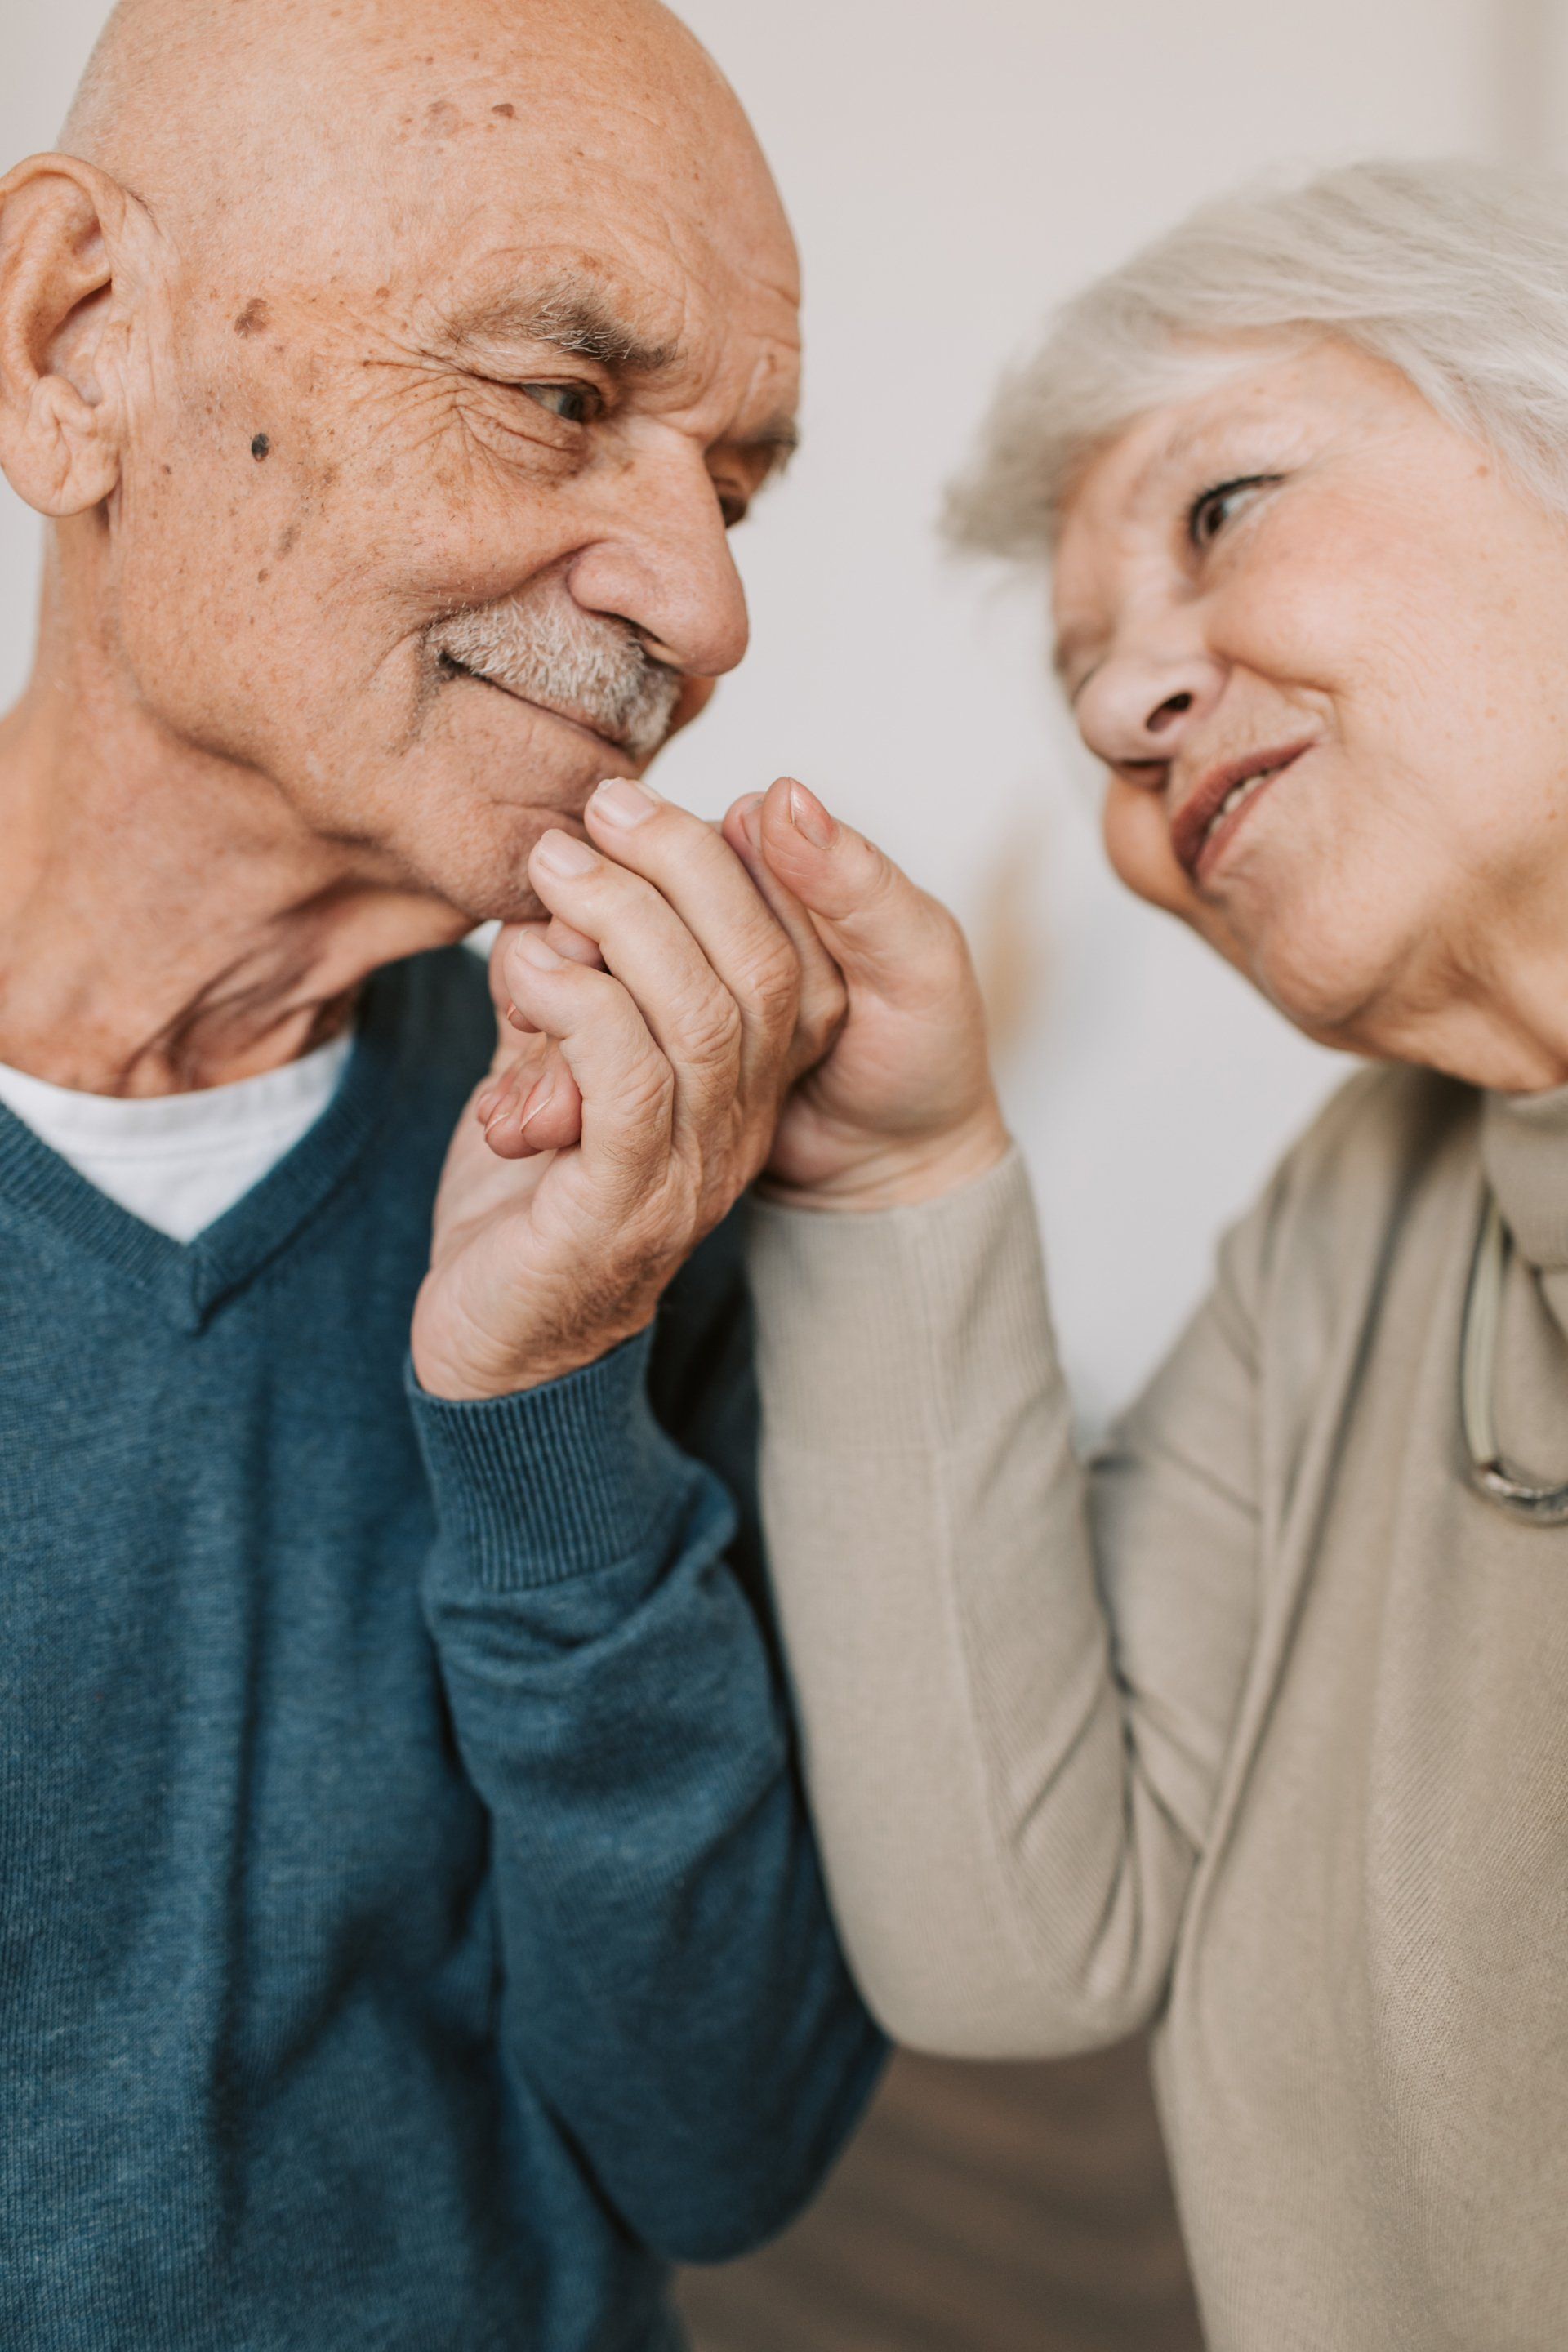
(1258, 1730)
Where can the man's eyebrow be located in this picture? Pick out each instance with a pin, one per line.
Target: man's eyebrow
(574, 315)
(773, 443)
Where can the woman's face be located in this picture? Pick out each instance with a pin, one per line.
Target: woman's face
(1321, 645)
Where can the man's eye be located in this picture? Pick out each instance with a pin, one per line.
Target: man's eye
(578, 404)
(1210, 512)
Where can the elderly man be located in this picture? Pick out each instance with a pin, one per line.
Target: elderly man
(410, 1937)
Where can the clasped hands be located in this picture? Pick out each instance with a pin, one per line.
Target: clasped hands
(704, 1006)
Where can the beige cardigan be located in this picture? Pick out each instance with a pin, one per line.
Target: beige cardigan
(1258, 1730)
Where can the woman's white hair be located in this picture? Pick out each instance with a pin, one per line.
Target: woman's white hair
(1455, 272)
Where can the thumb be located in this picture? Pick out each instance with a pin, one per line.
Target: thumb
(870, 914)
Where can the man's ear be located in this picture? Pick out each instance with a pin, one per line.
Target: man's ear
(62, 226)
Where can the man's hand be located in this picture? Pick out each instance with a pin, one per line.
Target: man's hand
(903, 1108)
(671, 1014)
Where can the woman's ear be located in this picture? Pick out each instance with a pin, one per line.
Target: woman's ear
(62, 226)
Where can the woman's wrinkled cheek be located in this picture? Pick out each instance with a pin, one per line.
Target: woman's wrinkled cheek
(1138, 843)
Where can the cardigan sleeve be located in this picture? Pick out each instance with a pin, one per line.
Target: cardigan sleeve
(1015, 1677)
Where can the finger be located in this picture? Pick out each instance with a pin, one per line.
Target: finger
(576, 946)
(696, 871)
(824, 998)
(627, 1085)
(880, 929)
(535, 1107)
(561, 936)
(690, 1014)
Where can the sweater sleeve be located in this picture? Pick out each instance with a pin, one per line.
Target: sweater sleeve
(673, 1988)
(1016, 1679)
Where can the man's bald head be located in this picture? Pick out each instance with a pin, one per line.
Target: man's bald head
(225, 114)
(395, 367)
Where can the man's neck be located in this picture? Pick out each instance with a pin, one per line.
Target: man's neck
(167, 921)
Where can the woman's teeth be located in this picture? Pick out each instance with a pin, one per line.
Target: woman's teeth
(1234, 798)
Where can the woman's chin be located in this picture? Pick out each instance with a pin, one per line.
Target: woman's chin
(1287, 912)
(1330, 987)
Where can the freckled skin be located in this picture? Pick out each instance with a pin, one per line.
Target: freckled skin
(291, 474)
(1395, 601)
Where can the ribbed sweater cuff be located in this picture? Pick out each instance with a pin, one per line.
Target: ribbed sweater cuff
(889, 1329)
(555, 1481)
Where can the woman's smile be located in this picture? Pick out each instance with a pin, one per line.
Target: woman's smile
(1205, 824)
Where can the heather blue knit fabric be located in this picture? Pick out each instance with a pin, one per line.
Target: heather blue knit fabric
(410, 1935)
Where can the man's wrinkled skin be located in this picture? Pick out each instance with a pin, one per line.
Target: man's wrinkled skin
(328, 325)
(392, 375)
(263, 362)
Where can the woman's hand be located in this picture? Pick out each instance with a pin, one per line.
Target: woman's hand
(902, 1106)
(666, 1034)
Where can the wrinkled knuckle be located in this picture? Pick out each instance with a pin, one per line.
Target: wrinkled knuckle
(663, 1224)
(647, 1091)
(773, 984)
(711, 1030)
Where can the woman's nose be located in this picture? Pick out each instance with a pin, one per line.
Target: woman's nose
(1134, 711)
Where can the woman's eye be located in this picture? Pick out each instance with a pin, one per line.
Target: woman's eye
(577, 404)
(1209, 514)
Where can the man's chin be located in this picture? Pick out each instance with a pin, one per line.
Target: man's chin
(477, 860)
(487, 883)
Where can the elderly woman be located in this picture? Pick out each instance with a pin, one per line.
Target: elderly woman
(1258, 1728)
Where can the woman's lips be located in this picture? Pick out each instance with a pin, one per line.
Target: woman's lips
(1204, 825)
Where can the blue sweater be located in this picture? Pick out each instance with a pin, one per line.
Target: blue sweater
(410, 1933)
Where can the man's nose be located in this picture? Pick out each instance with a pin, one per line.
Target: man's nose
(663, 564)
(1137, 708)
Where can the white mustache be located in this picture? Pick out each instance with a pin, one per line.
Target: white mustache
(548, 650)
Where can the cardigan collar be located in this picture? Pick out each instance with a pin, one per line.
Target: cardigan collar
(1524, 1151)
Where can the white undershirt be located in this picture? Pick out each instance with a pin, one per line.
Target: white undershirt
(178, 1162)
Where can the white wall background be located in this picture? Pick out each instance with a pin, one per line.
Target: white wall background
(953, 167)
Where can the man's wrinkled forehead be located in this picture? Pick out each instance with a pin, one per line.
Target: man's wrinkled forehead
(400, 121)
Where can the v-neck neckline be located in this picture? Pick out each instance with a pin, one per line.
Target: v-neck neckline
(186, 1280)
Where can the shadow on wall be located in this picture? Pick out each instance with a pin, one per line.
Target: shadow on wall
(982, 2209)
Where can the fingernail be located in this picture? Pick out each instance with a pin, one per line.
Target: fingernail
(808, 816)
(485, 1107)
(537, 951)
(565, 856)
(751, 809)
(537, 1101)
(623, 802)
